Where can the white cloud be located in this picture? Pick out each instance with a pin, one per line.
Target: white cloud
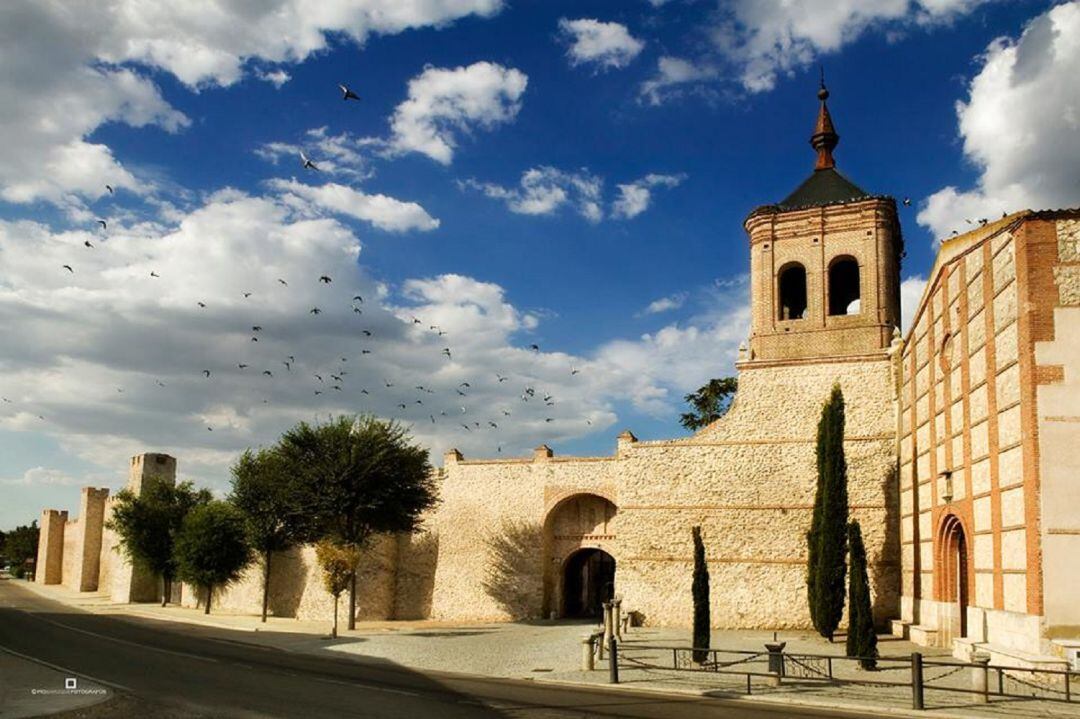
(634, 197)
(338, 155)
(110, 326)
(604, 45)
(673, 77)
(39, 476)
(1019, 125)
(768, 38)
(665, 304)
(444, 102)
(69, 68)
(277, 77)
(383, 212)
(911, 291)
(545, 190)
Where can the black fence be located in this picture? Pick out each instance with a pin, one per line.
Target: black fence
(984, 682)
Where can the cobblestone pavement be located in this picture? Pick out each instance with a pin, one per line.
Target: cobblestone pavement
(551, 651)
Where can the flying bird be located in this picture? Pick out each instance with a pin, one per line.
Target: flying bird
(316, 311)
(307, 163)
(534, 348)
(104, 225)
(254, 339)
(464, 384)
(283, 282)
(287, 366)
(110, 189)
(242, 366)
(154, 274)
(357, 310)
(574, 371)
(318, 377)
(401, 406)
(318, 391)
(325, 279)
(347, 94)
(87, 244)
(246, 295)
(334, 376)
(206, 372)
(365, 352)
(366, 333)
(501, 378)
(201, 304)
(160, 383)
(907, 202)
(337, 387)
(446, 351)
(358, 298)
(268, 373)
(68, 268)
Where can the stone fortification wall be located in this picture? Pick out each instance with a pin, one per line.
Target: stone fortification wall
(748, 480)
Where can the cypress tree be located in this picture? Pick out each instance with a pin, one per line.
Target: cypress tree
(700, 590)
(861, 637)
(827, 538)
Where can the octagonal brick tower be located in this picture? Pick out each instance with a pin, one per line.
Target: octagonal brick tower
(824, 264)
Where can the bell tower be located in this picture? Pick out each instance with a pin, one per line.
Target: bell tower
(824, 264)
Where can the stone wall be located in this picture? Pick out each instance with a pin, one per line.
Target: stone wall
(748, 480)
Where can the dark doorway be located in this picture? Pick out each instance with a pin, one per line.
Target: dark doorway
(588, 581)
(792, 290)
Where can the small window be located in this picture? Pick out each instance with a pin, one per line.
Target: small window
(792, 285)
(844, 296)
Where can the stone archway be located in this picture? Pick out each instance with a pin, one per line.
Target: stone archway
(954, 577)
(588, 580)
(576, 523)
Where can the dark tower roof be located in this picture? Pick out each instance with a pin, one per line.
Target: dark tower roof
(826, 185)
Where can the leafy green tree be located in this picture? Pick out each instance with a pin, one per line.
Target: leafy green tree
(338, 563)
(275, 504)
(700, 591)
(18, 546)
(148, 524)
(861, 636)
(709, 403)
(827, 538)
(365, 476)
(212, 547)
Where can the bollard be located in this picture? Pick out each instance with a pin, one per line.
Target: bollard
(616, 619)
(613, 661)
(916, 681)
(776, 661)
(609, 632)
(587, 664)
(979, 683)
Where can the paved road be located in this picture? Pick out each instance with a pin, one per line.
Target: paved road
(189, 674)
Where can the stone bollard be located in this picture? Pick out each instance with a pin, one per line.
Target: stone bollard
(608, 629)
(979, 672)
(776, 661)
(587, 650)
(617, 618)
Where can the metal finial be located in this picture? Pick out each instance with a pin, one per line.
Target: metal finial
(823, 93)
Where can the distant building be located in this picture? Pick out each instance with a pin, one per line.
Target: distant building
(961, 444)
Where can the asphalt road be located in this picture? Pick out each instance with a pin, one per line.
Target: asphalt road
(184, 672)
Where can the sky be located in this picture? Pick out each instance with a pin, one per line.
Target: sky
(530, 220)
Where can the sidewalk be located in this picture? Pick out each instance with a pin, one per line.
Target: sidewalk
(551, 651)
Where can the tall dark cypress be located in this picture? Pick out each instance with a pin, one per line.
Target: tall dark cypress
(827, 538)
(861, 637)
(700, 590)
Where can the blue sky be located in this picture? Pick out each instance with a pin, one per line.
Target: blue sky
(649, 130)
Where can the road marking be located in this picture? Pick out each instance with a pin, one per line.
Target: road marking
(361, 685)
(64, 670)
(121, 641)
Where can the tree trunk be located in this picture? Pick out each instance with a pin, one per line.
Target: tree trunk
(209, 593)
(266, 584)
(352, 600)
(333, 632)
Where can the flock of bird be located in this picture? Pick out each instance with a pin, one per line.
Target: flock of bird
(421, 403)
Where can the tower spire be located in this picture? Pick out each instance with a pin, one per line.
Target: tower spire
(824, 139)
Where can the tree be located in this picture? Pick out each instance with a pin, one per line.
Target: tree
(274, 503)
(148, 524)
(861, 636)
(700, 591)
(212, 547)
(19, 548)
(338, 564)
(827, 538)
(365, 476)
(709, 403)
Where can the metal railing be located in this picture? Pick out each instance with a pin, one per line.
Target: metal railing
(984, 682)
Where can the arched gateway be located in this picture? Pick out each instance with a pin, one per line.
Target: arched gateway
(579, 565)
